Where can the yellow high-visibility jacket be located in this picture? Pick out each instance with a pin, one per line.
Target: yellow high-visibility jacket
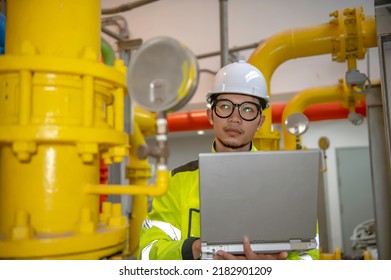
(173, 225)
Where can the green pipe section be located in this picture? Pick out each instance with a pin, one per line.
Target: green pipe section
(107, 53)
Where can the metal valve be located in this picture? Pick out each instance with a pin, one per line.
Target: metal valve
(160, 151)
(359, 82)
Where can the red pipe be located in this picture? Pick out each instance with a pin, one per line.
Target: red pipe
(188, 121)
(198, 120)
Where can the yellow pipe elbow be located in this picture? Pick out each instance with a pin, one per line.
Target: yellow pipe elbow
(302, 100)
(287, 45)
(162, 174)
(303, 42)
(161, 185)
(290, 44)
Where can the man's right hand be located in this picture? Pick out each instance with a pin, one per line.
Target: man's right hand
(249, 254)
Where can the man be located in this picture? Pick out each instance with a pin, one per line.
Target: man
(172, 228)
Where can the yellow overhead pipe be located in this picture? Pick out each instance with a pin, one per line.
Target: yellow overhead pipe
(305, 98)
(347, 35)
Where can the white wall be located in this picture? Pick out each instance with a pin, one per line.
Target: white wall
(196, 24)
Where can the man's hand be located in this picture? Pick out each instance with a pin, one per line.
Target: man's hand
(249, 254)
(196, 248)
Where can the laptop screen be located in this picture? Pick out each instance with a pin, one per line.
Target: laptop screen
(270, 196)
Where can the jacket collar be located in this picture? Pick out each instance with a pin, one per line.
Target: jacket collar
(252, 147)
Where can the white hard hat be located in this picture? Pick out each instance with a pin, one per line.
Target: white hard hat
(241, 78)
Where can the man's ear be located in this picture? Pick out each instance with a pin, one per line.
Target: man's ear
(261, 120)
(209, 113)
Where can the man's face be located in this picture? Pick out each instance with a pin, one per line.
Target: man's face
(233, 133)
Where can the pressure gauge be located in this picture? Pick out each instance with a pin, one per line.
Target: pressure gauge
(163, 75)
(324, 143)
(296, 124)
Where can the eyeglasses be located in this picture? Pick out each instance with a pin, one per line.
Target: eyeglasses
(248, 111)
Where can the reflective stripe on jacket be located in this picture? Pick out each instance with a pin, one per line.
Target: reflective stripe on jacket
(174, 222)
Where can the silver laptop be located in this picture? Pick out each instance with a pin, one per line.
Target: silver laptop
(270, 196)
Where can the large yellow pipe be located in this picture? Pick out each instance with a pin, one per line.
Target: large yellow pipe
(50, 26)
(304, 42)
(61, 110)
